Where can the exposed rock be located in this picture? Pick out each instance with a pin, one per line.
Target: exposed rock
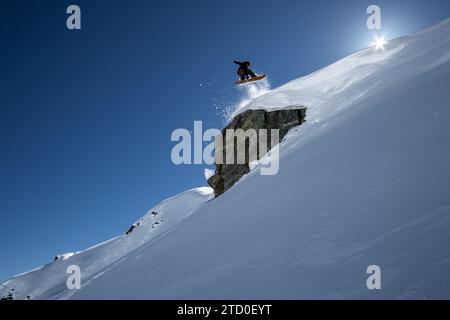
(135, 225)
(9, 296)
(226, 175)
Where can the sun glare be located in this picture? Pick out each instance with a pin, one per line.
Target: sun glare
(379, 43)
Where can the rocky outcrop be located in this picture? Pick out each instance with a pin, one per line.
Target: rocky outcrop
(226, 175)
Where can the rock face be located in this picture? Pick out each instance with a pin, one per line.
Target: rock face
(226, 175)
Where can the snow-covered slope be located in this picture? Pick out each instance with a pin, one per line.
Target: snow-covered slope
(365, 181)
(49, 281)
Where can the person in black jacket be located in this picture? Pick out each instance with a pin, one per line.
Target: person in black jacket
(244, 72)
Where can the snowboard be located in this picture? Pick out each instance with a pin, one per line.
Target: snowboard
(257, 78)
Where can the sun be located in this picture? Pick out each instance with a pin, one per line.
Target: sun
(379, 43)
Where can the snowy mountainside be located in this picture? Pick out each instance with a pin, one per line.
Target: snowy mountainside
(50, 280)
(365, 181)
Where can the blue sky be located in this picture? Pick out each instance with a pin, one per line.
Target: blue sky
(86, 116)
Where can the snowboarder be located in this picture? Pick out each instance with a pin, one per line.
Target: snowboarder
(245, 73)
